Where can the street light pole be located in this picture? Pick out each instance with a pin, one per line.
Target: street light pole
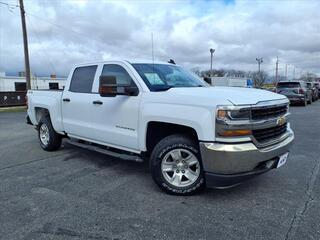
(259, 60)
(211, 73)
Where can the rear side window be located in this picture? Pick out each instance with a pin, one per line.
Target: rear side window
(82, 79)
(288, 85)
(122, 76)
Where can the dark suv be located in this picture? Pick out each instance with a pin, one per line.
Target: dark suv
(295, 91)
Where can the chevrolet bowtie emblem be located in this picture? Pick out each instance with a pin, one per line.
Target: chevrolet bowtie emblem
(281, 121)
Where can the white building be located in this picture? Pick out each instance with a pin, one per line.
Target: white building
(231, 81)
(9, 83)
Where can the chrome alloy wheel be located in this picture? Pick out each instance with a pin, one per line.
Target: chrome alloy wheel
(44, 134)
(180, 167)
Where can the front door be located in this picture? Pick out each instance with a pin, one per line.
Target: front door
(115, 119)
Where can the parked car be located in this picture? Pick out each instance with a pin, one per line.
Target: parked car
(314, 90)
(193, 135)
(317, 86)
(295, 91)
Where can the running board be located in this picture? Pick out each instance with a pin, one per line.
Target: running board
(96, 148)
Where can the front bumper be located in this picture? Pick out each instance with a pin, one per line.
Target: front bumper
(226, 164)
(294, 99)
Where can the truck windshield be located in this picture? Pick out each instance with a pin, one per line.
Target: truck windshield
(161, 77)
(288, 85)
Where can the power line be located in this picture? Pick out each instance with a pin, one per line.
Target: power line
(59, 26)
(45, 54)
(10, 6)
(13, 6)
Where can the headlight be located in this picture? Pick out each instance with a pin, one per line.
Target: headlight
(242, 114)
(225, 113)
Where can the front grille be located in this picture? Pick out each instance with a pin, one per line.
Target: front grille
(268, 134)
(268, 112)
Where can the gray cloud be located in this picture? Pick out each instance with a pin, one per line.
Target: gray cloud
(63, 33)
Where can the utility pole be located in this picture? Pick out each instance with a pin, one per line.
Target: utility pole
(25, 44)
(294, 73)
(277, 62)
(259, 60)
(286, 71)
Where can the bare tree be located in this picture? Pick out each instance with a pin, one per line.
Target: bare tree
(259, 78)
(308, 77)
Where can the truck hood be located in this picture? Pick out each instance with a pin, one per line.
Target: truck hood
(235, 95)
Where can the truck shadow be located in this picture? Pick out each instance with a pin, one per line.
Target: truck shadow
(100, 160)
(122, 167)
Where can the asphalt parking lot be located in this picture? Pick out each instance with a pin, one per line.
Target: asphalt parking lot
(78, 194)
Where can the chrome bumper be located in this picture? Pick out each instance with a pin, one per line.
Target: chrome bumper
(234, 158)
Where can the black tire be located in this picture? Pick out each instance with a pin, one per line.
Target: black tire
(305, 102)
(309, 101)
(55, 139)
(162, 149)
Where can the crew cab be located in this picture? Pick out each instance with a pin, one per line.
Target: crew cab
(193, 135)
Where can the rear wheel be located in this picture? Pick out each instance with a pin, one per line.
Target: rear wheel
(176, 165)
(49, 139)
(310, 101)
(305, 102)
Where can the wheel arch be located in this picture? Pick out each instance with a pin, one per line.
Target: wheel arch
(41, 112)
(157, 130)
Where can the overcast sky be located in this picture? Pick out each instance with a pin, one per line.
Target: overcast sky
(63, 33)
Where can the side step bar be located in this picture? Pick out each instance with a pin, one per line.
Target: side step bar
(96, 148)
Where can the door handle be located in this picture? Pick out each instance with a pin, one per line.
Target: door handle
(97, 102)
(66, 99)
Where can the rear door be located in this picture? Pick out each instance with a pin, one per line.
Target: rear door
(77, 102)
(115, 119)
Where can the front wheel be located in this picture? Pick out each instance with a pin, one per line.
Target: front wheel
(176, 165)
(49, 139)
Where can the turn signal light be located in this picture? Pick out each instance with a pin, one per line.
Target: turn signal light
(235, 133)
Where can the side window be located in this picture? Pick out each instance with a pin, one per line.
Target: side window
(122, 76)
(82, 79)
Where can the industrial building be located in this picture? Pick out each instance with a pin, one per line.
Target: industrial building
(14, 83)
(13, 88)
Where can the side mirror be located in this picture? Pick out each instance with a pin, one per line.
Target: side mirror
(108, 87)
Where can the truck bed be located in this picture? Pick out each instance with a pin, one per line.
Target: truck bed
(48, 100)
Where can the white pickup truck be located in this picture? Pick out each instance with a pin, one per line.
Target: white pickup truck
(193, 135)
